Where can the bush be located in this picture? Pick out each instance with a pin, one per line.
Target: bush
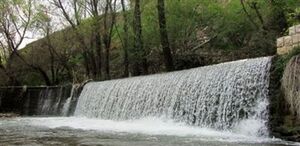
(282, 60)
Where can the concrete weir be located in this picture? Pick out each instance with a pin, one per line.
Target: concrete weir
(227, 97)
(43, 100)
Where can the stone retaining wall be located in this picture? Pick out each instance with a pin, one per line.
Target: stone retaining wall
(287, 43)
(291, 87)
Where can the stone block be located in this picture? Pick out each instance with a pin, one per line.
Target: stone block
(280, 42)
(284, 50)
(296, 38)
(281, 50)
(288, 41)
(292, 30)
(297, 29)
(296, 45)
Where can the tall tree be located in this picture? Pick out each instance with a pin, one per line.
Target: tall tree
(103, 15)
(164, 36)
(74, 18)
(108, 22)
(16, 19)
(125, 39)
(59, 60)
(140, 63)
(94, 9)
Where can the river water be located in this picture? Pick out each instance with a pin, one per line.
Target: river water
(143, 132)
(224, 104)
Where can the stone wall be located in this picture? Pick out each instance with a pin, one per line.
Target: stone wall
(291, 87)
(287, 43)
(284, 96)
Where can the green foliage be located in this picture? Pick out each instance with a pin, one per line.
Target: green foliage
(183, 21)
(76, 60)
(31, 78)
(282, 60)
(291, 10)
(225, 23)
(294, 16)
(228, 26)
(195, 27)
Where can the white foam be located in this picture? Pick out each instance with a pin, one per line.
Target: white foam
(251, 127)
(147, 126)
(217, 96)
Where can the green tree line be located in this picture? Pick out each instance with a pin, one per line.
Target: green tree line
(108, 39)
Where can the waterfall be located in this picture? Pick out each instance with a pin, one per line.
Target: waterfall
(66, 107)
(40, 100)
(70, 103)
(51, 100)
(223, 96)
(58, 101)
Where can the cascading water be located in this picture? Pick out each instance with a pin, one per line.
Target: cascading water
(224, 96)
(66, 106)
(48, 103)
(57, 101)
(42, 101)
(223, 104)
(70, 103)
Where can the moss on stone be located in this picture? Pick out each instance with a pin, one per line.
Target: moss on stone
(282, 120)
(281, 61)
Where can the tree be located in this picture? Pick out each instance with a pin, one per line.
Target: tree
(58, 61)
(108, 22)
(126, 40)
(13, 27)
(101, 34)
(94, 5)
(16, 19)
(164, 36)
(74, 18)
(139, 52)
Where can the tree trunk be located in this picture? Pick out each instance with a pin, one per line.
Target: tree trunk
(44, 75)
(98, 46)
(62, 59)
(164, 36)
(98, 37)
(105, 40)
(109, 14)
(140, 54)
(99, 53)
(125, 47)
(107, 52)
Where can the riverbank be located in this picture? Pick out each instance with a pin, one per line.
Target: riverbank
(284, 96)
